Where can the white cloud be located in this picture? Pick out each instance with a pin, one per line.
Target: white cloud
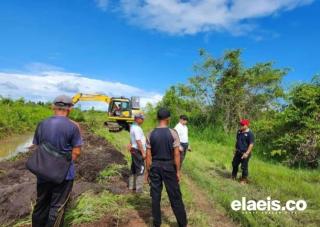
(102, 4)
(38, 67)
(45, 86)
(193, 16)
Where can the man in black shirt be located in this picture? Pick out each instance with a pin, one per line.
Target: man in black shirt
(163, 166)
(244, 145)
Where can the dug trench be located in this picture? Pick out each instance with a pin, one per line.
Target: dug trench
(18, 185)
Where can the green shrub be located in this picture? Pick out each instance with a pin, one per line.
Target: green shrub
(20, 116)
(293, 135)
(77, 115)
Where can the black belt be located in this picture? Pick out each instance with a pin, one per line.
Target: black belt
(166, 164)
(162, 160)
(160, 163)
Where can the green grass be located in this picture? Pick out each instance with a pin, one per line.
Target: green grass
(23, 222)
(110, 171)
(90, 207)
(209, 164)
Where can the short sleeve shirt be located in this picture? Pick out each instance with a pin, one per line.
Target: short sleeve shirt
(244, 139)
(62, 133)
(182, 131)
(136, 133)
(162, 142)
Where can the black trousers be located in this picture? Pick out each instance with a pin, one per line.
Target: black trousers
(244, 164)
(50, 204)
(166, 172)
(137, 162)
(184, 152)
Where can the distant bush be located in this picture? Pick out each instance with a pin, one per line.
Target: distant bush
(20, 116)
(293, 135)
(77, 115)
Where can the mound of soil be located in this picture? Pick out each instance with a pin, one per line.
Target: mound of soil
(18, 185)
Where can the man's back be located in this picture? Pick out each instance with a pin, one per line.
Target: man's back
(162, 142)
(163, 146)
(60, 132)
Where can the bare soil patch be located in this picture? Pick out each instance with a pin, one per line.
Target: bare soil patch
(18, 185)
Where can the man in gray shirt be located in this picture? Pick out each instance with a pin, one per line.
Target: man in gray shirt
(64, 135)
(138, 154)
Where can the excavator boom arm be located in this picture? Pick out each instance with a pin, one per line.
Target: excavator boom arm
(90, 97)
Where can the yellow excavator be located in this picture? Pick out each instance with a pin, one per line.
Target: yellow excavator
(121, 110)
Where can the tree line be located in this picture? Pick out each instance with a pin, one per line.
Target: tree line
(223, 90)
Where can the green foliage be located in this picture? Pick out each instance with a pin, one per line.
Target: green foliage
(224, 90)
(211, 134)
(178, 105)
(20, 116)
(77, 115)
(294, 133)
(150, 118)
(94, 119)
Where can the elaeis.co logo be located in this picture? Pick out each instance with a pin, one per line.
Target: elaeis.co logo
(269, 205)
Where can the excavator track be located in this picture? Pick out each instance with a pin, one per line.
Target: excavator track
(113, 126)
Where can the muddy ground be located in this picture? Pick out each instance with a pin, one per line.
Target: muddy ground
(18, 185)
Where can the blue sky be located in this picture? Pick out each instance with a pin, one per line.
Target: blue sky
(144, 46)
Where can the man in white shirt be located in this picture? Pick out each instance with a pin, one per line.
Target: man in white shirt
(182, 130)
(138, 154)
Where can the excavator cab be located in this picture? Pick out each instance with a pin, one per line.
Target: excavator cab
(121, 112)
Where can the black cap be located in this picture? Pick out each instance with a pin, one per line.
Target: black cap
(163, 113)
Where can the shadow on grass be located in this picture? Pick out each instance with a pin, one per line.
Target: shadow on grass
(223, 173)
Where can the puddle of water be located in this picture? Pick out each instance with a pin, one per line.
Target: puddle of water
(13, 145)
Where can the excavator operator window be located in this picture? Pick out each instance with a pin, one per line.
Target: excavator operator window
(118, 107)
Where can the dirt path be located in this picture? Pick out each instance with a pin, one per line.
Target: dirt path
(205, 206)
